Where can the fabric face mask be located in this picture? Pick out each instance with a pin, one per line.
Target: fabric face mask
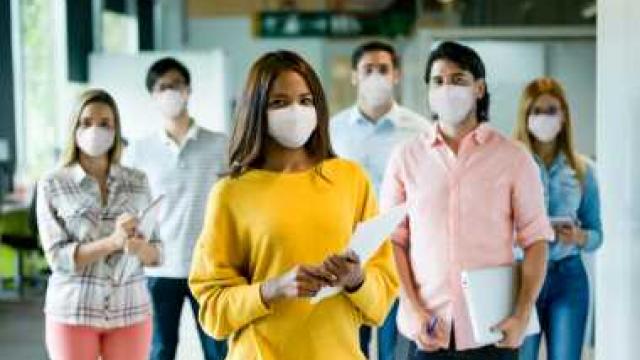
(545, 128)
(452, 103)
(171, 103)
(95, 141)
(293, 125)
(376, 90)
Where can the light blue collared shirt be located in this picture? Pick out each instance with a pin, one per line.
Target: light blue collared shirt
(566, 196)
(371, 144)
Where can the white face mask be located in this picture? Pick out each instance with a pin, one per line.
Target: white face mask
(375, 89)
(171, 103)
(452, 103)
(95, 141)
(545, 128)
(293, 125)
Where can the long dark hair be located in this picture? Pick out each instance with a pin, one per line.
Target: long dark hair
(250, 131)
(467, 59)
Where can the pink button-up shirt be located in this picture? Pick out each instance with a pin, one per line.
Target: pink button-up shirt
(467, 211)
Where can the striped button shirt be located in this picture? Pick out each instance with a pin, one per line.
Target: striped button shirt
(70, 213)
(185, 174)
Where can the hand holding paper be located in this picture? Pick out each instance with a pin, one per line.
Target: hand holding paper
(125, 226)
(346, 269)
(146, 224)
(366, 239)
(134, 244)
(301, 281)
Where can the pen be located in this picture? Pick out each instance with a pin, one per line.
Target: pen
(151, 205)
(431, 327)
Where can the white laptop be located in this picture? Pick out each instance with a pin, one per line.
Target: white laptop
(490, 295)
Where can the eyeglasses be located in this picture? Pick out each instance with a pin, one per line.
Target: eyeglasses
(170, 86)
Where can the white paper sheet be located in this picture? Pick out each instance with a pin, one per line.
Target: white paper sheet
(366, 239)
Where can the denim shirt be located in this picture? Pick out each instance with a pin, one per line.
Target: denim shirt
(566, 196)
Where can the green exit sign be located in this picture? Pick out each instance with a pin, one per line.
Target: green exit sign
(333, 25)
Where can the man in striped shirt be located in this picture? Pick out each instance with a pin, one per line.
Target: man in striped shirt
(182, 162)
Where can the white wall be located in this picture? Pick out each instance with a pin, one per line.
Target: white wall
(169, 24)
(510, 65)
(573, 63)
(208, 102)
(233, 35)
(618, 127)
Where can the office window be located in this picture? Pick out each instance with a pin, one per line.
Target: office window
(37, 129)
(119, 32)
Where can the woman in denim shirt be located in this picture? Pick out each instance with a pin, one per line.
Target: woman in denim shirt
(571, 194)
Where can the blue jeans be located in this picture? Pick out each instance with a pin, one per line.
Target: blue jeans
(562, 307)
(168, 296)
(387, 336)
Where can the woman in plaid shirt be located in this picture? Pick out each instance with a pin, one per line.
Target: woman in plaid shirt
(95, 305)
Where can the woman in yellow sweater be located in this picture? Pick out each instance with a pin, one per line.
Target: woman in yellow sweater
(277, 229)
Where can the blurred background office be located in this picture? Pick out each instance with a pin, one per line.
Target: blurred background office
(51, 50)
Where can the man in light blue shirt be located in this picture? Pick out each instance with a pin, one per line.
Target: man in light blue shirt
(182, 161)
(368, 132)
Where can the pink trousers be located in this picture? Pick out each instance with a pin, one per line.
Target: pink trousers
(74, 342)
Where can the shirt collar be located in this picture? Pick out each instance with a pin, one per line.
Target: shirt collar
(192, 133)
(480, 135)
(79, 175)
(559, 162)
(390, 117)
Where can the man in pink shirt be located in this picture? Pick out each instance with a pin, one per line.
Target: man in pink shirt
(474, 195)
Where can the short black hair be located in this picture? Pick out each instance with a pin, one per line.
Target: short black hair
(163, 66)
(370, 46)
(467, 59)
